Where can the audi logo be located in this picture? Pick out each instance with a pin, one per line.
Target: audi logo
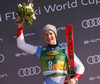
(2, 58)
(91, 22)
(93, 59)
(29, 71)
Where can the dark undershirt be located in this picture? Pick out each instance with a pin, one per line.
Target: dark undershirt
(53, 46)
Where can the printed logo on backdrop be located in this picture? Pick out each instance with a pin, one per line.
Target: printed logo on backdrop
(94, 78)
(29, 71)
(0, 18)
(21, 54)
(92, 41)
(8, 16)
(93, 59)
(3, 75)
(1, 39)
(52, 8)
(90, 2)
(61, 28)
(29, 35)
(94, 22)
(2, 58)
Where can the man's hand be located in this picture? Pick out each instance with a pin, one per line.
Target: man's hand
(20, 24)
(71, 81)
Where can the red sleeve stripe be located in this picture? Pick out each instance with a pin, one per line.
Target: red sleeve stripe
(19, 31)
(78, 76)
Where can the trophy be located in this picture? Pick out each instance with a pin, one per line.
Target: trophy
(26, 11)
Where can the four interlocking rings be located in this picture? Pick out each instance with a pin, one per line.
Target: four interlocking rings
(29, 71)
(91, 22)
(93, 59)
(3, 58)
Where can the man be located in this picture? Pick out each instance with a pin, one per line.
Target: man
(53, 57)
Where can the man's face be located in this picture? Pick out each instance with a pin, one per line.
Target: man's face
(50, 37)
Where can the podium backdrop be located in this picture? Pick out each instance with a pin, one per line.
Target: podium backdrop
(19, 67)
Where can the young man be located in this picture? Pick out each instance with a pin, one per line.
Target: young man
(53, 57)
